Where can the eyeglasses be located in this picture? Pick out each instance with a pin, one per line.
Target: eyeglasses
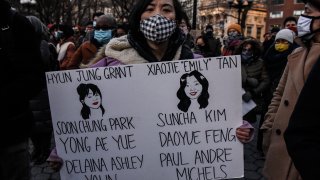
(104, 28)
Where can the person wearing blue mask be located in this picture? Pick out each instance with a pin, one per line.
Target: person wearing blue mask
(103, 32)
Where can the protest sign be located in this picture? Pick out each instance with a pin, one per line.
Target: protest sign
(169, 120)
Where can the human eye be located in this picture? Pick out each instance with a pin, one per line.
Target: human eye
(167, 8)
(149, 8)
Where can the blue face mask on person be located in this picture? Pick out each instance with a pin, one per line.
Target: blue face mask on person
(103, 36)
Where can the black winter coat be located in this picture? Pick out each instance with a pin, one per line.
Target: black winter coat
(21, 75)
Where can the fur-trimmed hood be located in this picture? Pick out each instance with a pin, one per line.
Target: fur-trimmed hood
(122, 50)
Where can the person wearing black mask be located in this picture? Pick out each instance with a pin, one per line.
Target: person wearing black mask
(214, 45)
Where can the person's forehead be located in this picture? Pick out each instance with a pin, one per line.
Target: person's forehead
(290, 22)
(154, 2)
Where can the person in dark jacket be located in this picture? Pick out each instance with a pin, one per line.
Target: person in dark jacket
(42, 129)
(254, 76)
(213, 43)
(21, 78)
(275, 61)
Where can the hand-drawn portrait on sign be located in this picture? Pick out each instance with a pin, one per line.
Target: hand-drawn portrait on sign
(193, 91)
(91, 99)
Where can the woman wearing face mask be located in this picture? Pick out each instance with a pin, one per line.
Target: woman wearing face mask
(254, 76)
(275, 61)
(101, 36)
(278, 164)
(146, 43)
(233, 40)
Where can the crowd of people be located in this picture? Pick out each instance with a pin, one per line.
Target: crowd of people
(274, 74)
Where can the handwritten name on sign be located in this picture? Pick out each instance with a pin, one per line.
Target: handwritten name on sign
(168, 120)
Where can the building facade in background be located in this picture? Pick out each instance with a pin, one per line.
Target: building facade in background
(278, 10)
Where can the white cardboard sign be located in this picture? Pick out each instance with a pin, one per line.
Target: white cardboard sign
(168, 120)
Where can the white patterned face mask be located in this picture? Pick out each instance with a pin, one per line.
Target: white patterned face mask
(304, 24)
(157, 28)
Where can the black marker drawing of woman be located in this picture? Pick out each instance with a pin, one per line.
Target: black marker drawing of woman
(193, 91)
(91, 100)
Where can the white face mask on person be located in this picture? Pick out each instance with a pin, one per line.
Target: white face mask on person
(304, 25)
(157, 28)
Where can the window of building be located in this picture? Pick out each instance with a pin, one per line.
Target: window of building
(259, 30)
(298, 12)
(276, 14)
(277, 1)
(249, 30)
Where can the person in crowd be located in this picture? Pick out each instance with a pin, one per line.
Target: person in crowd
(302, 136)
(278, 164)
(103, 32)
(290, 22)
(275, 61)
(66, 46)
(268, 42)
(202, 47)
(90, 26)
(147, 43)
(78, 38)
(233, 41)
(22, 77)
(213, 43)
(95, 17)
(53, 30)
(42, 130)
(122, 29)
(254, 76)
(185, 27)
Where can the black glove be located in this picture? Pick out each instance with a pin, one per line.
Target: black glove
(246, 97)
(253, 82)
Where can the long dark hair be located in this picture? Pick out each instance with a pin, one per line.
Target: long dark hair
(185, 101)
(256, 48)
(138, 9)
(83, 91)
